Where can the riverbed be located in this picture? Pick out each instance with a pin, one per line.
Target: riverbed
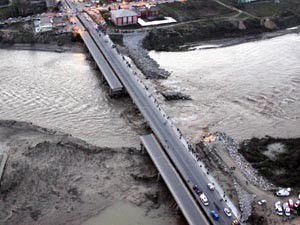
(245, 90)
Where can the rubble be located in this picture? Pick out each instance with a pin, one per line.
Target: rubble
(252, 175)
(174, 95)
(245, 201)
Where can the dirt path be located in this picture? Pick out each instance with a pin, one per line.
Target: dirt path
(236, 9)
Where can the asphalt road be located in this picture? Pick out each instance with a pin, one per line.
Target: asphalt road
(180, 192)
(166, 133)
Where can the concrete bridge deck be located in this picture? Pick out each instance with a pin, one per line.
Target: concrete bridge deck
(175, 184)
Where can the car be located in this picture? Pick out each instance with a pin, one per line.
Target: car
(284, 192)
(196, 189)
(235, 222)
(211, 186)
(291, 204)
(227, 212)
(287, 210)
(262, 202)
(204, 199)
(214, 215)
(278, 208)
(297, 204)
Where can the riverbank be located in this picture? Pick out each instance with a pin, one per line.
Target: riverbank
(53, 178)
(190, 37)
(75, 47)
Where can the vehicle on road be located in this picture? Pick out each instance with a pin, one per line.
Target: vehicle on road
(204, 199)
(211, 186)
(291, 204)
(215, 215)
(235, 222)
(196, 189)
(284, 192)
(227, 212)
(287, 210)
(278, 208)
(262, 202)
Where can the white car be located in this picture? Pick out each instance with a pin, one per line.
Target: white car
(227, 212)
(262, 202)
(297, 204)
(211, 186)
(278, 208)
(287, 210)
(204, 199)
(284, 192)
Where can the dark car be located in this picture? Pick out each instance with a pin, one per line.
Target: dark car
(196, 189)
(215, 215)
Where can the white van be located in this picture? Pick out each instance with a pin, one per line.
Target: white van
(204, 199)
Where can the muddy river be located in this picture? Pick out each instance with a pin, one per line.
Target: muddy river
(247, 90)
(62, 91)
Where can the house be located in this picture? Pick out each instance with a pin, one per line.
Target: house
(153, 13)
(124, 17)
(148, 13)
(43, 24)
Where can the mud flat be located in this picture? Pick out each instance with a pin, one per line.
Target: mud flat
(53, 178)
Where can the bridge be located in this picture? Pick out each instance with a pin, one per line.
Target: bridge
(177, 150)
(174, 182)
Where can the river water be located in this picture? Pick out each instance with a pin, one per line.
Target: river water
(62, 91)
(246, 90)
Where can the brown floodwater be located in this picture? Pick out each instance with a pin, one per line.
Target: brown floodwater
(246, 90)
(62, 91)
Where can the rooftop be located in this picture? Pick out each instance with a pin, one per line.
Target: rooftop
(123, 13)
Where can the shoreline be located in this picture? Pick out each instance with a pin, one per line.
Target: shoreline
(76, 48)
(227, 42)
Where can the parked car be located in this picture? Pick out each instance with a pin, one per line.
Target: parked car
(291, 204)
(215, 215)
(262, 202)
(227, 211)
(211, 186)
(287, 210)
(284, 192)
(278, 208)
(204, 199)
(196, 189)
(297, 204)
(235, 222)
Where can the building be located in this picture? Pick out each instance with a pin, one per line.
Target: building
(148, 13)
(124, 17)
(43, 24)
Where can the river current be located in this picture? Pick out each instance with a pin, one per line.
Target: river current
(62, 91)
(246, 90)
